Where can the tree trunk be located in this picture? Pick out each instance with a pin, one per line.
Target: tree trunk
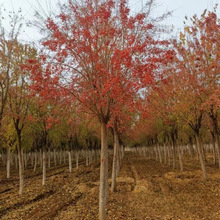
(168, 154)
(70, 161)
(54, 157)
(103, 189)
(118, 161)
(16, 161)
(48, 153)
(114, 163)
(87, 157)
(32, 159)
(174, 155)
(64, 156)
(12, 159)
(8, 162)
(60, 156)
(35, 160)
(77, 159)
(40, 161)
(180, 157)
(198, 143)
(21, 167)
(122, 151)
(156, 153)
(22, 155)
(214, 116)
(44, 166)
(165, 153)
(214, 151)
(159, 152)
(218, 146)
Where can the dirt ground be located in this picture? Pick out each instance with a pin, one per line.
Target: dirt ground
(146, 189)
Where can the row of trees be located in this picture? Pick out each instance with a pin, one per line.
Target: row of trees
(102, 67)
(182, 107)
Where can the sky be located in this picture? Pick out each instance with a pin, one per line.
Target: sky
(180, 9)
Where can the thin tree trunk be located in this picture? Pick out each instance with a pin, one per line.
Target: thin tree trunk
(168, 153)
(118, 160)
(64, 156)
(25, 159)
(214, 117)
(60, 156)
(174, 155)
(200, 156)
(70, 161)
(16, 160)
(180, 157)
(22, 155)
(44, 166)
(54, 157)
(32, 159)
(48, 153)
(41, 160)
(103, 189)
(165, 153)
(122, 151)
(156, 153)
(77, 159)
(12, 159)
(114, 163)
(87, 157)
(218, 146)
(21, 167)
(35, 160)
(8, 162)
(214, 152)
(159, 153)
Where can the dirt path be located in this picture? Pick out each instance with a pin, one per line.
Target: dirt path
(160, 193)
(146, 189)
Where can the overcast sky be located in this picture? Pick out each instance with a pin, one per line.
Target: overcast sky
(180, 8)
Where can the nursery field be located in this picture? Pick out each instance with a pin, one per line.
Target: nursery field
(146, 189)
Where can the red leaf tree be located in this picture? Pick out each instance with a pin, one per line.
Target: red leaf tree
(102, 54)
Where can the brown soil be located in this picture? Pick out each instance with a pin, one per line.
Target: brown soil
(146, 189)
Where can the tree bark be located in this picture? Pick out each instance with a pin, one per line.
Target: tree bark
(165, 153)
(54, 157)
(40, 160)
(180, 157)
(44, 166)
(174, 154)
(87, 157)
(16, 161)
(198, 143)
(114, 162)
(64, 156)
(77, 159)
(70, 161)
(48, 153)
(21, 166)
(32, 159)
(103, 189)
(218, 145)
(25, 159)
(60, 156)
(168, 154)
(8, 162)
(35, 160)
(214, 151)
(214, 116)
(159, 152)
